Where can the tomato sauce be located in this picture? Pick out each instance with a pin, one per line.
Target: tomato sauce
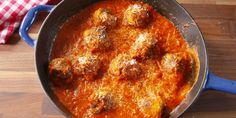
(155, 82)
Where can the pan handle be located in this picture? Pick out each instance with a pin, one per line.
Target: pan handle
(28, 21)
(217, 83)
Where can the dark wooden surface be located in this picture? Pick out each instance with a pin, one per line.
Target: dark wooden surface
(21, 95)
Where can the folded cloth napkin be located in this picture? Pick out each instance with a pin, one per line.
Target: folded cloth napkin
(12, 12)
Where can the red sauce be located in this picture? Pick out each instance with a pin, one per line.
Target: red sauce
(155, 84)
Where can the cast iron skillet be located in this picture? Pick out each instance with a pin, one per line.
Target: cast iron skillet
(168, 8)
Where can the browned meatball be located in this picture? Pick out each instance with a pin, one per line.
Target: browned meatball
(151, 107)
(86, 66)
(61, 68)
(96, 38)
(173, 62)
(143, 45)
(170, 61)
(137, 15)
(103, 16)
(123, 66)
(102, 100)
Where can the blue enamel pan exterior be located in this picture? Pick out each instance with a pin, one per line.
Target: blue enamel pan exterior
(29, 20)
(220, 84)
(170, 9)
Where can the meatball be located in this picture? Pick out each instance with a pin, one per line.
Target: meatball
(137, 15)
(103, 16)
(96, 38)
(143, 45)
(172, 62)
(151, 107)
(102, 100)
(86, 66)
(61, 68)
(123, 66)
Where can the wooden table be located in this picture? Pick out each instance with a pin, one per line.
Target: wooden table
(21, 95)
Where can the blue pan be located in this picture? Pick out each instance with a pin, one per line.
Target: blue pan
(168, 8)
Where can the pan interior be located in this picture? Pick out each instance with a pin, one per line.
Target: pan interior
(170, 9)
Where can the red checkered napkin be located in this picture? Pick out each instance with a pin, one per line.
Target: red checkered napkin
(11, 13)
